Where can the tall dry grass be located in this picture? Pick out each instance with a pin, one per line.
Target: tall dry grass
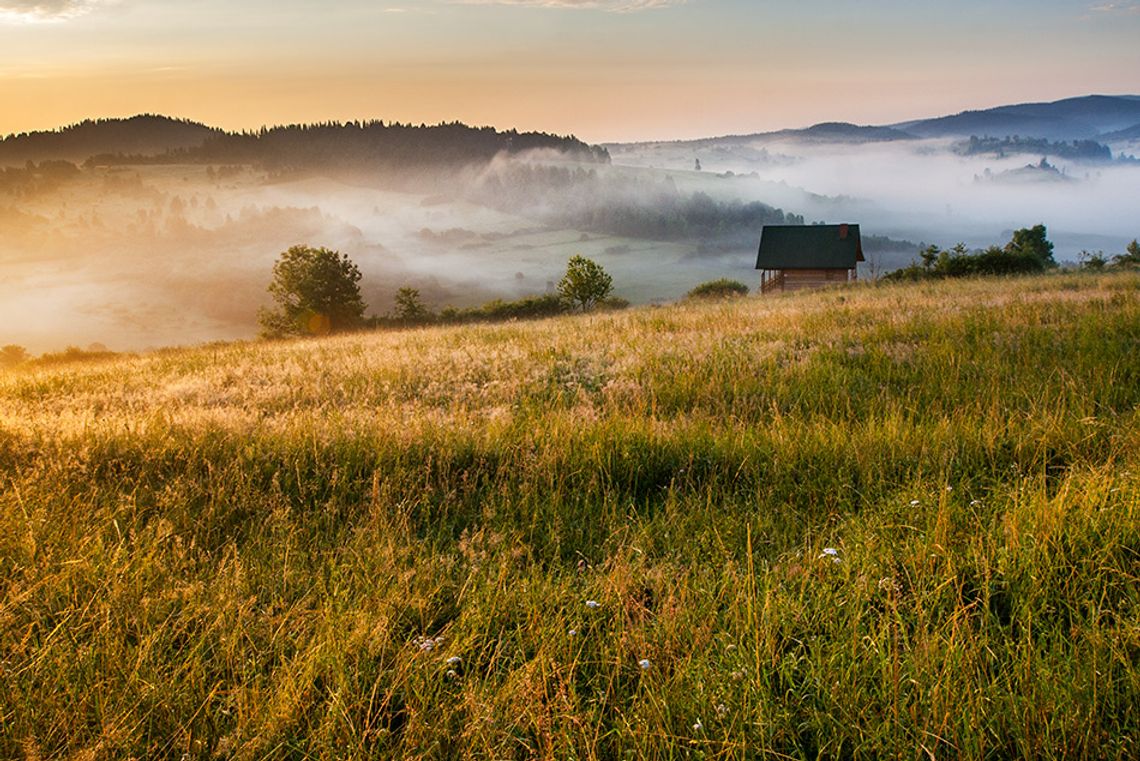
(884, 521)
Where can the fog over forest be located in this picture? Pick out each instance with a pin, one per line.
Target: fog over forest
(137, 253)
(927, 189)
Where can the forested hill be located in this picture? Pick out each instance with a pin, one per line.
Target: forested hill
(330, 145)
(145, 135)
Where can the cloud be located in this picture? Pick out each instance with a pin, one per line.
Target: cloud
(1128, 8)
(46, 10)
(613, 6)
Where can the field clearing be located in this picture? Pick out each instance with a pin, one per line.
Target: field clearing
(878, 521)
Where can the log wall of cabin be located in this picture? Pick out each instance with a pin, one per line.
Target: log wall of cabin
(794, 280)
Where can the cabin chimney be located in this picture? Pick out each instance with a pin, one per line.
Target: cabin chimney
(843, 231)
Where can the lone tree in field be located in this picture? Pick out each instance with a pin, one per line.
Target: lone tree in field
(584, 284)
(316, 293)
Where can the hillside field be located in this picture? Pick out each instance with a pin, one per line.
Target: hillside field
(884, 521)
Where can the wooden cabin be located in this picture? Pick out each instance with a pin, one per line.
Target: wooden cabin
(792, 257)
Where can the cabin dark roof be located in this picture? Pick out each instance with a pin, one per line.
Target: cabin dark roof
(790, 247)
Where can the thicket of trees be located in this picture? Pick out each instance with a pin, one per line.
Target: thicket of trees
(1082, 150)
(1028, 250)
(316, 292)
(369, 146)
(146, 134)
(1098, 261)
(33, 178)
(153, 139)
(500, 310)
(584, 286)
(633, 207)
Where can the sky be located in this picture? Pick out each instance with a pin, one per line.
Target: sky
(604, 70)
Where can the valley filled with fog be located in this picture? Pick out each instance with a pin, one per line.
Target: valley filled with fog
(919, 190)
(142, 255)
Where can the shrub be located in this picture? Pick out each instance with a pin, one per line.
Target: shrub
(12, 355)
(498, 310)
(719, 289)
(613, 304)
(1130, 257)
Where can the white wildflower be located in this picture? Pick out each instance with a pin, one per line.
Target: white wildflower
(698, 726)
(454, 660)
(644, 664)
(593, 604)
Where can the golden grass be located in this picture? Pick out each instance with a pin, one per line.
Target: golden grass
(244, 550)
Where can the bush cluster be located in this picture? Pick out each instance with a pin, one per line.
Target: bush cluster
(1028, 251)
(718, 289)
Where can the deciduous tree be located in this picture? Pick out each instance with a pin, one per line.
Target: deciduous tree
(585, 283)
(316, 293)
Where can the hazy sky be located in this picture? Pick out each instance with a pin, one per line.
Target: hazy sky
(601, 69)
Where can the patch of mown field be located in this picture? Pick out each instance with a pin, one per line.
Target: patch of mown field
(884, 521)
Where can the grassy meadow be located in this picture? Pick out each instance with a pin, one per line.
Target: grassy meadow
(896, 521)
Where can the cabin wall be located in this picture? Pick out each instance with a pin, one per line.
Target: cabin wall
(794, 280)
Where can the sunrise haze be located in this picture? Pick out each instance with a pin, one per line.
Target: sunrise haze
(606, 71)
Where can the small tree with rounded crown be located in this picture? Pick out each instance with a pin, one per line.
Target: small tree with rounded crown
(316, 293)
(584, 284)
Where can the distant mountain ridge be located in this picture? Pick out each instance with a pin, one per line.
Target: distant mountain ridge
(1089, 117)
(163, 139)
(824, 132)
(1083, 118)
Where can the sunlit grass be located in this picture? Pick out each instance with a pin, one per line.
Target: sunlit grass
(618, 533)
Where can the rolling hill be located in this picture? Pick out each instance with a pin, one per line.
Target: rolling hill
(330, 145)
(1083, 118)
(142, 135)
(1131, 133)
(830, 525)
(1091, 116)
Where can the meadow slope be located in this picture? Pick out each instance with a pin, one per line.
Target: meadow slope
(884, 521)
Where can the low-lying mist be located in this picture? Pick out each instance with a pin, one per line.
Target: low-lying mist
(924, 189)
(142, 256)
(139, 257)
